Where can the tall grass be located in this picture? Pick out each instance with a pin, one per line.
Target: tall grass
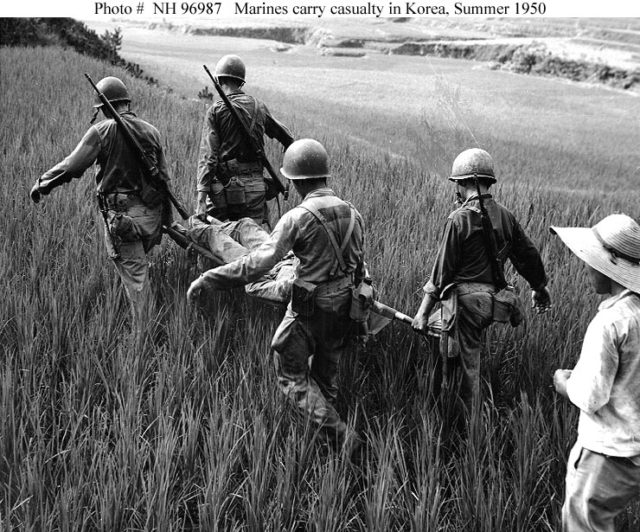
(186, 429)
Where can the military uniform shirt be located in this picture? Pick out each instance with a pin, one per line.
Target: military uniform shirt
(300, 231)
(462, 256)
(120, 167)
(223, 140)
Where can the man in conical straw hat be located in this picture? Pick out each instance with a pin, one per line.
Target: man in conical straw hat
(603, 472)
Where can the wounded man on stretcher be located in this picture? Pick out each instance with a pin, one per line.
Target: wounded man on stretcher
(220, 243)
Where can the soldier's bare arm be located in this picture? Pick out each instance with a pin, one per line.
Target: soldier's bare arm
(421, 318)
(73, 166)
(277, 130)
(207, 161)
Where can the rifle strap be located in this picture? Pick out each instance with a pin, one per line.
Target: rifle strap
(352, 223)
(475, 197)
(339, 250)
(488, 235)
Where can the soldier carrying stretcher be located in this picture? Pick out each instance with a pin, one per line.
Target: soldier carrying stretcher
(468, 277)
(327, 236)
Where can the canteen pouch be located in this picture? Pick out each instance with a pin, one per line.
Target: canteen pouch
(234, 193)
(361, 300)
(507, 307)
(122, 227)
(303, 297)
(442, 323)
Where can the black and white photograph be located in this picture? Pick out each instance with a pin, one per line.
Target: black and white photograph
(322, 266)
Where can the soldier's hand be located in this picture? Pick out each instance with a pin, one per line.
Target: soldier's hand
(560, 378)
(421, 319)
(195, 291)
(540, 300)
(35, 194)
(419, 323)
(201, 208)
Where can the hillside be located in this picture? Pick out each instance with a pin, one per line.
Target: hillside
(68, 32)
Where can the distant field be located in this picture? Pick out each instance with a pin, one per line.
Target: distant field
(185, 429)
(418, 97)
(611, 41)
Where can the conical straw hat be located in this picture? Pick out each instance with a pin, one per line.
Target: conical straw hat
(612, 247)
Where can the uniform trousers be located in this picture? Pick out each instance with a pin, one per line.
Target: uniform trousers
(307, 351)
(475, 314)
(135, 228)
(598, 488)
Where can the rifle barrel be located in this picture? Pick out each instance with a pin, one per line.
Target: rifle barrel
(186, 243)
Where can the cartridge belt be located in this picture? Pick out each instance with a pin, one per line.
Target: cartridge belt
(236, 167)
(334, 285)
(120, 200)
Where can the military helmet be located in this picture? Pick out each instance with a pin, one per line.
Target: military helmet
(113, 89)
(305, 159)
(231, 66)
(473, 163)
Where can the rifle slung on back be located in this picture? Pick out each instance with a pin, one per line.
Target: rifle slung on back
(497, 268)
(149, 168)
(262, 158)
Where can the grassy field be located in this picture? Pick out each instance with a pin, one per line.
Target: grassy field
(185, 428)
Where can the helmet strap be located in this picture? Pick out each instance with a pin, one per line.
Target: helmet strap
(95, 115)
(477, 183)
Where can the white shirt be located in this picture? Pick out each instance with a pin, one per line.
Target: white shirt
(605, 384)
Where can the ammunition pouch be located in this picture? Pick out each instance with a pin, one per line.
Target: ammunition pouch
(234, 193)
(303, 297)
(507, 307)
(233, 175)
(122, 227)
(362, 297)
(225, 170)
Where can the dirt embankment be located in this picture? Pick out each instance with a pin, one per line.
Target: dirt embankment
(531, 58)
(289, 35)
(524, 56)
